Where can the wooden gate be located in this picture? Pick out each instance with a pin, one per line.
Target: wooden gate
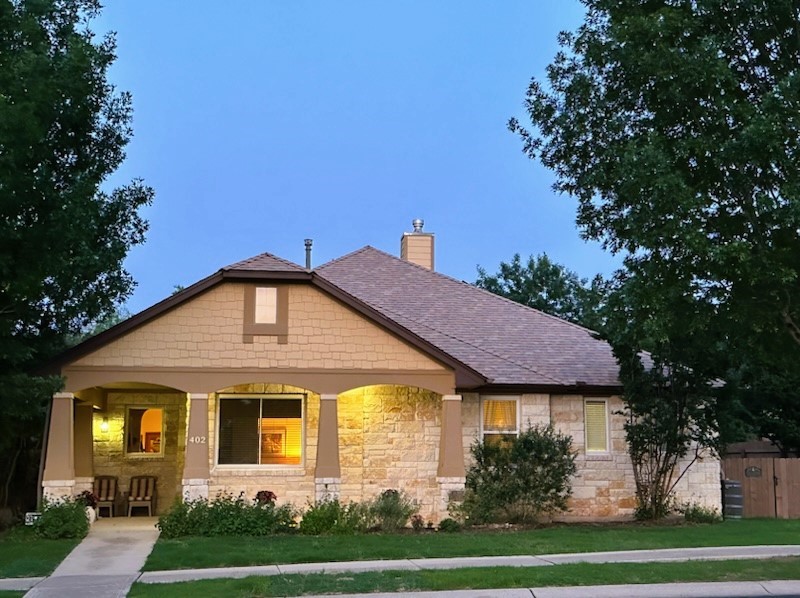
(770, 485)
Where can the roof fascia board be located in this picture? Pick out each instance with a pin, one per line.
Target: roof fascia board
(571, 389)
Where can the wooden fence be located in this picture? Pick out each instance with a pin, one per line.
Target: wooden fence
(770, 485)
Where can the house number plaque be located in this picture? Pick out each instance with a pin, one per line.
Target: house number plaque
(197, 439)
(752, 472)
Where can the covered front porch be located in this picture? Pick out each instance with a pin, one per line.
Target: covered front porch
(353, 441)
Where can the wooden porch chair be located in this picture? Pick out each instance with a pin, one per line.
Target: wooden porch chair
(105, 489)
(142, 493)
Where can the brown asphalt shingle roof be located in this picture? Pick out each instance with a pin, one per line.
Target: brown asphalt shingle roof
(265, 262)
(506, 342)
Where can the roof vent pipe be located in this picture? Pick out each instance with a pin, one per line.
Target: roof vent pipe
(309, 243)
(418, 223)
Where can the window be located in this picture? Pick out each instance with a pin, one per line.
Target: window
(144, 429)
(499, 418)
(261, 430)
(266, 312)
(596, 423)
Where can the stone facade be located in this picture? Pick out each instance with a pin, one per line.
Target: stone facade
(603, 487)
(109, 447)
(388, 439)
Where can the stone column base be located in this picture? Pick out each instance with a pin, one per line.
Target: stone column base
(194, 489)
(451, 490)
(58, 489)
(327, 488)
(82, 484)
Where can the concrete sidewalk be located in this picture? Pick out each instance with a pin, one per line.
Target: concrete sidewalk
(544, 560)
(746, 589)
(105, 563)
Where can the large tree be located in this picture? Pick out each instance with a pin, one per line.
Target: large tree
(550, 287)
(676, 125)
(63, 235)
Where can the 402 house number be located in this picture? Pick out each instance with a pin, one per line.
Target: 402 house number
(197, 439)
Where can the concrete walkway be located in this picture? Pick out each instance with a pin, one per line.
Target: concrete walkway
(105, 563)
(111, 557)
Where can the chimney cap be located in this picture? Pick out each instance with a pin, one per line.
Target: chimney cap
(418, 223)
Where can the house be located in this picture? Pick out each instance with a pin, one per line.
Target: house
(367, 373)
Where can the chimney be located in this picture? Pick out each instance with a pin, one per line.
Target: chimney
(417, 247)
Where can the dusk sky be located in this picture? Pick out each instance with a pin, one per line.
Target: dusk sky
(260, 124)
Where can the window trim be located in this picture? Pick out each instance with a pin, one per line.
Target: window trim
(143, 455)
(517, 401)
(280, 328)
(259, 466)
(586, 449)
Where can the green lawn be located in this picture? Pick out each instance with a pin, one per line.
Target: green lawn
(478, 578)
(22, 554)
(188, 553)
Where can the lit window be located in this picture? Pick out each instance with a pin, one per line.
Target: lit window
(260, 430)
(596, 420)
(266, 305)
(499, 419)
(143, 430)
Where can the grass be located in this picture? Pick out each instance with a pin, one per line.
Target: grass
(190, 553)
(478, 578)
(23, 554)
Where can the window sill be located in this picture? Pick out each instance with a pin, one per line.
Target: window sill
(258, 470)
(599, 457)
(145, 456)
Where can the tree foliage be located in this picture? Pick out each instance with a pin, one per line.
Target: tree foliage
(63, 236)
(549, 287)
(676, 125)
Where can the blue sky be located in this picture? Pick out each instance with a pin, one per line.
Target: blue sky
(260, 124)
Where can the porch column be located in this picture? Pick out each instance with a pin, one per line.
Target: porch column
(451, 473)
(195, 470)
(83, 458)
(328, 474)
(58, 478)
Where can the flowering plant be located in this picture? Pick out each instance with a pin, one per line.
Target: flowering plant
(266, 497)
(88, 498)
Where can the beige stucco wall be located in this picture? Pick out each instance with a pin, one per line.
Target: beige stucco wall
(206, 332)
(109, 447)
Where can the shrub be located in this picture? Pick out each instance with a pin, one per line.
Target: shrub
(417, 522)
(697, 513)
(518, 479)
(63, 518)
(332, 517)
(449, 525)
(392, 509)
(226, 515)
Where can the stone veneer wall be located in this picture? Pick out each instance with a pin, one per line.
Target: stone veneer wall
(109, 447)
(603, 487)
(388, 438)
(291, 484)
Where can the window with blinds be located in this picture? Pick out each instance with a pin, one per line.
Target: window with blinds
(499, 419)
(596, 424)
(260, 430)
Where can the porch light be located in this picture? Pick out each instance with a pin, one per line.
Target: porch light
(104, 425)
